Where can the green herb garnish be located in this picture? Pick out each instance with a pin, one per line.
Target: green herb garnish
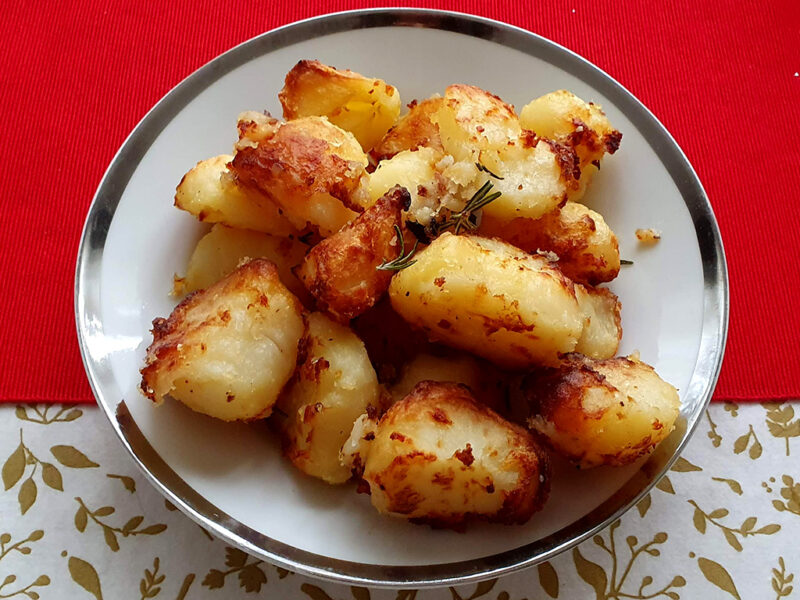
(402, 261)
(466, 218)
(485, 169)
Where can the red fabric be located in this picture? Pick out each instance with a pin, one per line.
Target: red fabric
(78, 76)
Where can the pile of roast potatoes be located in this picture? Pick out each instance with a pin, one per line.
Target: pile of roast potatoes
(398, 336)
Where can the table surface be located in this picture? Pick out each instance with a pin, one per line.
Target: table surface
(80, 521)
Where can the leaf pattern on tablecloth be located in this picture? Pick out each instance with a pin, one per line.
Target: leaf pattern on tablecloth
(714, 475)
(790, 496)
(16, 465)
(749, 526)
(781, 580)
(47, 414)
(781, 422)
(132, 527)
(612, 582)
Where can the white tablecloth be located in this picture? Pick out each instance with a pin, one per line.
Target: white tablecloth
(79, 521)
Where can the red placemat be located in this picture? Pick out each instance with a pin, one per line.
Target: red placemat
(78, 76)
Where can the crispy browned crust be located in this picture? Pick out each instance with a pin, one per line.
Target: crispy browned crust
(294, 159)
(433, 400)
(568, 162)
(304, 75)
(341, 271)
(569, 241)
(412, 131)
(557, 395)
(170, 333)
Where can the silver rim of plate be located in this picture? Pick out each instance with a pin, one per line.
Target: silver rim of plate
(98, 369)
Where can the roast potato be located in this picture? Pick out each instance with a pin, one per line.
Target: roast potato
(365, 107)
(601, 412)
(222, 249)
(485, 382)
(587, 249)
(419, 172)
(414, 130)
(210, 193)
(563, 117)
(490, 298)
(602, 330)
(313, 171)
(583, 126)
(482, 132)
(440, 457)
(228, 350)
(342, 272)
(333, 386)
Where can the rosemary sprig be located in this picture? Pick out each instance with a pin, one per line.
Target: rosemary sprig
(465, 218)
(402, 261)
(622, 261)
(485, 169)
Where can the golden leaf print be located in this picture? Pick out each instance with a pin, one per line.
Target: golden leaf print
(644, 505)
(732, 408)
(250, 575)
(85, 575)
(791, 497)
(747, 528)
(716, 574)
(608, 587)
(128, 482)
(713, 435)
(684, 466)
(781, 581)
(735, 486)
(742, 442)
(548, 579)
(65, 414)
(22, 457)
(149, 584)
(665, 485)
(131, 526)
(21, 547)
(780, 424)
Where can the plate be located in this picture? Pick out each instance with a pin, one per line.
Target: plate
(230, 478)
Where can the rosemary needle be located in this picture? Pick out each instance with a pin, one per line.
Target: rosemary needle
(403, 260)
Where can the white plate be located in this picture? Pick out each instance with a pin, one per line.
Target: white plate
(231, 478)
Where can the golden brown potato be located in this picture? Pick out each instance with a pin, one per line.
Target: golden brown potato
(365, 107)
(490, 298)
(418, 171)
(228, 350)
(484, 380)
(342, 273)
(439, 457)
(333, 386)
(390, 342)
(414, 130)
(222, 249)
(210, 193)
(563, 117)
(603, 329)
(314, 172)
(587, 249)
(601, 412)
(254, 127)
(479, 130)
